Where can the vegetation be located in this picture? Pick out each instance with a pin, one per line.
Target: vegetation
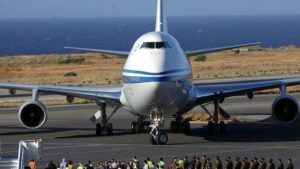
(74, 60)
(70, 74)
(200, 58)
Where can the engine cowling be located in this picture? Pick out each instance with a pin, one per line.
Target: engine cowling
(285, 109)
(33, 115)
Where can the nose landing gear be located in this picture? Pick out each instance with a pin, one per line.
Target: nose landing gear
(158, 136)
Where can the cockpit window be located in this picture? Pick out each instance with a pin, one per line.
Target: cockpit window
(157, 45)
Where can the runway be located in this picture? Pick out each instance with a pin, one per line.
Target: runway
(70, 134)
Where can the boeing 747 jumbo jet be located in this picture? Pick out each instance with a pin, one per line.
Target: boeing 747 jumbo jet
(157, 84)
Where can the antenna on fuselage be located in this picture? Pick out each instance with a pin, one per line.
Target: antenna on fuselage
(161, 19)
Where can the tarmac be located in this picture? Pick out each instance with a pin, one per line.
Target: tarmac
(69, 134)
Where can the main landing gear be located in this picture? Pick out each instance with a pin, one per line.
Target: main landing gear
(180, 125)
(140, 126)
(216, 124)
(158, 136)
(103, 125)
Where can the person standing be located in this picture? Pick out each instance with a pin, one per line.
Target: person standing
(246, 163)
(271, 164)
(63, 164)
(262, 164)
(193, 163)
(228, 163)
(161, 163)
(290, 164)
(198, 164)
(145, 165)
(135, 163)
(204, 161)
(70, 164)
(218, 163)
(208, 164)
(280, 165)
(32, 164)
(237, 163)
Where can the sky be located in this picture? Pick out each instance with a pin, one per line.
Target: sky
(125, 8)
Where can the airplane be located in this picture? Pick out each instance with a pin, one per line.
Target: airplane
(157, 83)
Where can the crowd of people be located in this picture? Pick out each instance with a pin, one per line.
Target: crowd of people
(177, 163)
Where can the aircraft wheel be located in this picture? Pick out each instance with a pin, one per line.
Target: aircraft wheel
(98, 129)
(134, 127)
(222, 127)
(109, 129)
(146, 127)
(186, 127)
(173, 126)
(210, 127)
(162, 138)
(152, 140)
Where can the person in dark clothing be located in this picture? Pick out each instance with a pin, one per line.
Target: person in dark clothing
(280, 165)
(204, 161)
(246, 163)
(271, 165)
(218, 163)
(262, 164)
(228, 163)
(290, 164)
(255, 163)
(51, 165)
(237, 163)
(198, 164)
(193, 163)
(208, 164)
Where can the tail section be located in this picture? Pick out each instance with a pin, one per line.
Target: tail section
(161, 19)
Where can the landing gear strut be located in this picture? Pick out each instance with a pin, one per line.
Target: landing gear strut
(157, 134)
(102, 121)
(180, 125)
(140, 126)
(216, 123)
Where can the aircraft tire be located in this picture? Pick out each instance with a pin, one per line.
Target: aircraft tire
(210, 127)
(134, 127)
(98, 129)
(109, 129)
(222, 127)
(162, 138)
(186, 127)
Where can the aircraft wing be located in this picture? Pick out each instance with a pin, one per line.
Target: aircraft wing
(207, 92)
(211, 50)
(110, 52)
(107, 94)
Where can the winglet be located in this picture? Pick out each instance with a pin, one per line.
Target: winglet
(161, 20)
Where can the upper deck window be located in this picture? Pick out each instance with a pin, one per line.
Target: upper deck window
(157, 45)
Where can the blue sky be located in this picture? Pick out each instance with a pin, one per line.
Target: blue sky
(120, 8)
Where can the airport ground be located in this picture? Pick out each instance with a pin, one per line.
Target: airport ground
(70, 134)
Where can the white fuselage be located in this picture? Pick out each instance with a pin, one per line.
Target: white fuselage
(156, 76)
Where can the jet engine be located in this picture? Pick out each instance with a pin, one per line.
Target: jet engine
(285, 109)
(33, 115)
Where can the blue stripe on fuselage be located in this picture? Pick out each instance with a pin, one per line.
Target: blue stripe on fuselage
(159, 73)
(140, 79)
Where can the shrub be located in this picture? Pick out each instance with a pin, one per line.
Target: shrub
(201, 58)
(70, 60)
(70, 74)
